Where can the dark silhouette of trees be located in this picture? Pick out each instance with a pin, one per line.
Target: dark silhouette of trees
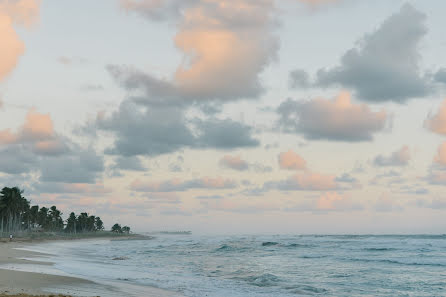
(126, 229)
(116, 228)
(99, 224)
(16, 214)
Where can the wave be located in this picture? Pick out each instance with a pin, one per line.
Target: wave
(298, 245)
(230, 248)
(379, 249)
(263, 280)
(388, 261)
(270, 243)
(306, 290)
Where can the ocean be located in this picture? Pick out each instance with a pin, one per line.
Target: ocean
(248, 266)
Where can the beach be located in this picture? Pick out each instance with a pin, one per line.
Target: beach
(27, 273)
(19, 282)
(222, 266)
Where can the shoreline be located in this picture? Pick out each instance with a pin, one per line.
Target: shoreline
(14, 279)
(31, 283)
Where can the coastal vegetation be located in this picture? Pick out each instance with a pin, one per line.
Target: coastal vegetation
(18, 215)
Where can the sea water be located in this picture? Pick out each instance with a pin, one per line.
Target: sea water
(224, 266)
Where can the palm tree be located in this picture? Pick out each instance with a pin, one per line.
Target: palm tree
(99, 225)
(71, 223)
(12, 209)
(116, 228)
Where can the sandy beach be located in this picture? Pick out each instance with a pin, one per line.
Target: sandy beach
(22, 283)
(18, 282)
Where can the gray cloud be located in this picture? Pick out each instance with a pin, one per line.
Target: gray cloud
(129, 163)
(398, 158)
(82, 166)
(67, 188)
(152, 131)
(385, 65)
(432, 204)
(181, 186)
(440, 75)
(225, 134)
(157, 10)
(17, 159)
(299, 79)
(337, 120)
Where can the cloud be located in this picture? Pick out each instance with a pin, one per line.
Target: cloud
(36, 147)
(210, 197)
(17, 159)
(37, 133)
(337, 120)
(237, 163)
(176, 185)
(90, 189)
(333, 201)
(398, 158)
(385, 65)
(299, 79)
(436, 177)
(146, 131)
(152, 131)
(226, 45)
(440, 76)
(437, 122)
(347, 180)
(234, 162)
(38, 126)
(414, 190)
(432, 204)
(391, 177)
(307, 181)
(129, 163)
(225, 134)
(440, 158)
(17, 12)
(157, 10)
(291, 161)
(80, 166)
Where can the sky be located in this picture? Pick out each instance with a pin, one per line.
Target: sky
(228, 116)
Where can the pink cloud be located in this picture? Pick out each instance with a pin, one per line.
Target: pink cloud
(226, 44)
(440, 158)
(437, 122)
(38, 126)
(21, 12)
(292, 161)
(234, 162)
(334, 201)
(7, 137)
(314, 181)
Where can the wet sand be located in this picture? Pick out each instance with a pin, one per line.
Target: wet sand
(21, 283)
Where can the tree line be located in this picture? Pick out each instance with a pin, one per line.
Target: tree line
(17, 214)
